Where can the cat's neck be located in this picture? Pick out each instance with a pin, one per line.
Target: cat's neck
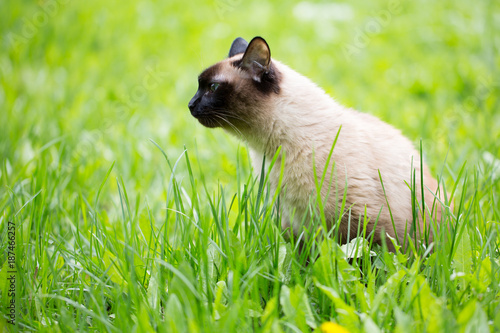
(295, 118)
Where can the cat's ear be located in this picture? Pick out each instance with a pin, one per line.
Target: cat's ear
(239, 46)
(257, 58)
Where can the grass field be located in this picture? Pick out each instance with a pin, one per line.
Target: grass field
(121, 213)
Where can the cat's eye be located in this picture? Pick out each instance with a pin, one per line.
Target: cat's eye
(214, 86)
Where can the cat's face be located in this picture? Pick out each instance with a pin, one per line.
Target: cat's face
(232, 93)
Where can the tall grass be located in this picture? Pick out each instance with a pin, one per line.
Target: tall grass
(220, 261)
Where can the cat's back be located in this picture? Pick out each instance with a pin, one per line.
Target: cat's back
(370, 141)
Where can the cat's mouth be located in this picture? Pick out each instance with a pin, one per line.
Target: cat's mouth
(207, 120)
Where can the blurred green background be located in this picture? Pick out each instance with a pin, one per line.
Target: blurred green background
(83, 84)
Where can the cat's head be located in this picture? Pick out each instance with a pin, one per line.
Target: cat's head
(233, 93)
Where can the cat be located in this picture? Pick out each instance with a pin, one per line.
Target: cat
(269, 105)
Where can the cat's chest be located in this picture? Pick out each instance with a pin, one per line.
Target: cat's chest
(294, 177)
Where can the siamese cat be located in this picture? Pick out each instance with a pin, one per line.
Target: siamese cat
(269, 105)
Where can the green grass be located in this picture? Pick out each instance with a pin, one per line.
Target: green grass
(130, 216)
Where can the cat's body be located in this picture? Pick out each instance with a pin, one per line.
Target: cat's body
(269, 105)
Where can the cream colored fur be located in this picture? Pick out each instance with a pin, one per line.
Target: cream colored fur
(303, 119)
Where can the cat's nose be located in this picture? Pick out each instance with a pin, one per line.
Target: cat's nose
(192, 103)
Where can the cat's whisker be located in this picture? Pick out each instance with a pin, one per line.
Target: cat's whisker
(238, 118)
(224, 113)
(230, 124)
(218, 122)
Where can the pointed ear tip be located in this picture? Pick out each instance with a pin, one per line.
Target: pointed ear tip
(239, 39)
(259, 40)
(239, 45)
